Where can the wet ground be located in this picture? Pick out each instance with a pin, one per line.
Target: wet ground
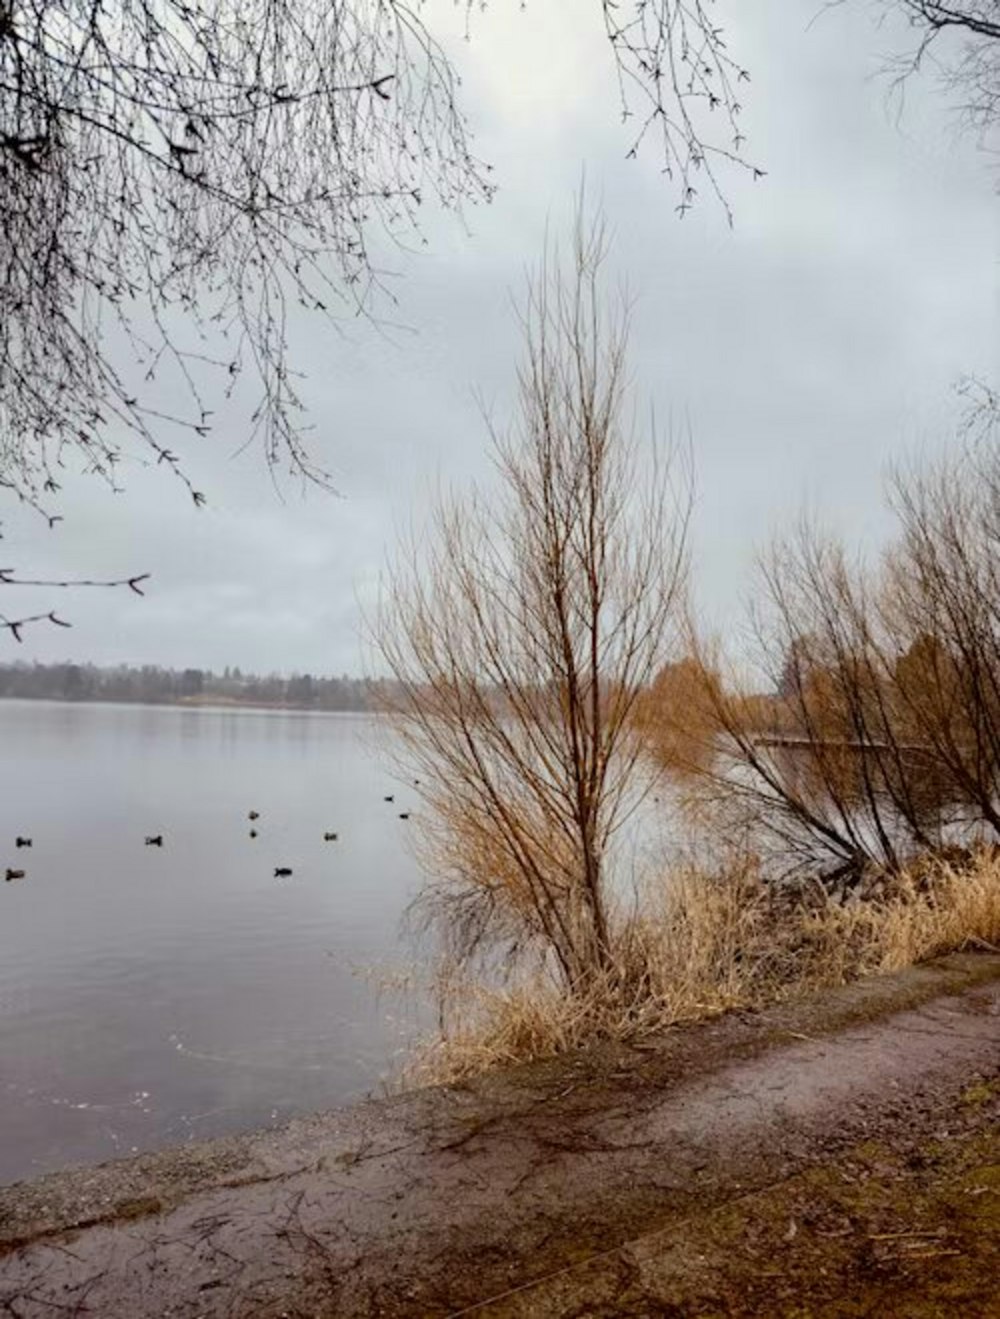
(836, 1156)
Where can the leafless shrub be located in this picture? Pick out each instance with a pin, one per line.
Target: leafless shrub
(678, 716)
(879, 739)
(836, 783)
(520, 632)
(942, 605)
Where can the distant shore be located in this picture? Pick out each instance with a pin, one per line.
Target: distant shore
(194, 702)
(152, 684)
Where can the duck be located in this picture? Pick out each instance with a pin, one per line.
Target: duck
(404, 815)
(253, 833)
(388, 798)
(14, 874)
(329, 838)
(22, 842)
(282, 872)
(254, 815)
(154, 840)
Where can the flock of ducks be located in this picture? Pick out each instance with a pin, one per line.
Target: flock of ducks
(156, 840)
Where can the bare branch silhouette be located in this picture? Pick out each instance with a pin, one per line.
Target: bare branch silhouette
(16, 625)
(168, 167)
(679, 81)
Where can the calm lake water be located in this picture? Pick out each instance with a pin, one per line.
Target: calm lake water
(153, 996)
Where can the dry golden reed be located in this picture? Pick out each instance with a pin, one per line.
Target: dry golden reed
(709, 944)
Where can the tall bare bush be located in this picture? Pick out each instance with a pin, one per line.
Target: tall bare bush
(943, 606)
(880, 737)
(832, 786)
(520, 632)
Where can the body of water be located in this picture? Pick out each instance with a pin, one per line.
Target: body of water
(153, 995)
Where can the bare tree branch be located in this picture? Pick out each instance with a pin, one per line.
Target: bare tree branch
(166, 165)
(678, 78)
(16, 626)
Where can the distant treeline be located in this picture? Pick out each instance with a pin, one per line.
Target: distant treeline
(151, 684)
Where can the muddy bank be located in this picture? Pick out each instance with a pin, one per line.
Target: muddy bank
(905, 1226)
(490, 1194)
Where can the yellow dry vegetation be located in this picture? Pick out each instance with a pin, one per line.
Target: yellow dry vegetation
(713, 942)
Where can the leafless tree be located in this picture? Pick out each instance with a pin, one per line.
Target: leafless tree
(520, 632)
(175, 177)
(819, 776)
(879, 739)
(944, 609)
(963, 36)
(681, 77)
(977, 17)
(166, 165)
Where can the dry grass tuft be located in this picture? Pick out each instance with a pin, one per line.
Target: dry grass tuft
(709, 943)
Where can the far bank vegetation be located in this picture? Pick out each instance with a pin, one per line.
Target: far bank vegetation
(831, 781)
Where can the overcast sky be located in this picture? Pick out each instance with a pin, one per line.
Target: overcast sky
(804, 348)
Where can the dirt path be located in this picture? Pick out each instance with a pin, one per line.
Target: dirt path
(838, 1156)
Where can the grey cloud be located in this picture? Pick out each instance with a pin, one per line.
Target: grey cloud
(807, 346)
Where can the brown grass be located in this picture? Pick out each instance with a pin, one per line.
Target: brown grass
(709, 943)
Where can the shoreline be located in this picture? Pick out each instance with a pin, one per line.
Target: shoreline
(499, 1194)
(186, 703)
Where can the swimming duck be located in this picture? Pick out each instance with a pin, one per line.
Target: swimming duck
(404, 815)
(22, 842)
(282, 872)
(154, 840)
(14, 874)
(388, 798)
(329, 838)
(253, 833)
(254, 815)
